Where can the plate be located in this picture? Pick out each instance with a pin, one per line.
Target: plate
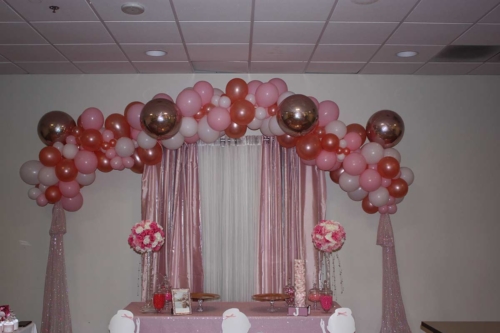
(204, 296)
(269, 297)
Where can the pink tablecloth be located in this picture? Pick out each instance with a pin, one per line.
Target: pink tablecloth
(210, 320)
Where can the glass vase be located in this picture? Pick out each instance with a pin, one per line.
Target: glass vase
(148, 281)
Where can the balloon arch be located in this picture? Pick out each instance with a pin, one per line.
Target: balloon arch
(369, 173)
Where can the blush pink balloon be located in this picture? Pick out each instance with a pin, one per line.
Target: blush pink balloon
(92, 118)
(280, 84)
(107, 135)
(326, 160)
(386, 182)
(133, 115)
(71, 139)
(315, 101)
(354, 164)
(128, 162)
(69, 189)
(308, 162)
(383, 209)
(391, 200)
(253, 85)
(328, 111)
(370, 180)
(86, 161)
(192, 139)
(164, 96)
(41, 200)
(218, 118)
(72, 204)
(189, 101)
(392, 209)
(110, 153)
(266, 95)
(117, 163)
(337, 165)
(134, 133)
(353, 141)
(205, 90)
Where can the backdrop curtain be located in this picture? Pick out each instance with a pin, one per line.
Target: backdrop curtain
(293, 200)
(230, 191)
(171, 197)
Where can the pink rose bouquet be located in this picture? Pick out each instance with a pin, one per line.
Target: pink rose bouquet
(328, 236)
(146, 236)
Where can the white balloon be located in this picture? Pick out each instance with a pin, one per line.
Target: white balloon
(392, 152)
(348, 182)
(85, 179)
(34, 192)
(29, 172)
(336, 127)
(189, 127)
(215, 100)
(69, 151)
(206, 133)
(224, 102)
(372, 152)
(58, 145)
(407, 175)
(42, 187)
(124, 147)
(250, 98)
(145, 141)
(357, 195)
(218, 92)
(274, 127)
(379, 197)
(264, 129)
(399, 200)
(47, 176)
(174, 142)
(260, 113)
(284, 95)
(255, 124)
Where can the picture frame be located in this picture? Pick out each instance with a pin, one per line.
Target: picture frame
(181, 301)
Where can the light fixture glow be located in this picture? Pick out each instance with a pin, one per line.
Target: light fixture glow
(363, 2)
(406, 54)
(133, 8)
(156, 53)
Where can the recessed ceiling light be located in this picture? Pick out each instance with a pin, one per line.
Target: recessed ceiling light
(133, 8)
(156, 53)
(364, 2)
(406, 54)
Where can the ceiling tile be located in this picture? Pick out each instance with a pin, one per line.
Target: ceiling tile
(216, 32)
(7, 14)
(447, 68)
(221, 66)
(74, 32)
(352, 53)
(89, 52)
(495, 58)
(450, 11)
(357, 33)
(381, 11)
(163, 66)
(122, 67)
(427, 33)
(480, 34)
(213, 10)
(487, 69)
(2, 59)
(49, 68)
(137, 52)
(281, 52)
(10, 68)
(31, 53)
(145, 32)
(155, 10)
(335, 67)
(388, 53)
(390, 68)
(19, 33)
(218, 52)
(69, 10)
(287, 32)
(286, 10)
(492, 17)
(278, 66)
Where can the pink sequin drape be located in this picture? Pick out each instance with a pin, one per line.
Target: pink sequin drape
(393, 309)
(56, 316)
(171, 196)
(293, 199)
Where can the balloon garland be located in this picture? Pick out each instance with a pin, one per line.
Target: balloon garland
(370, 173)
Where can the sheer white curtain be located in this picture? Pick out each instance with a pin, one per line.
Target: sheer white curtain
(229, 175)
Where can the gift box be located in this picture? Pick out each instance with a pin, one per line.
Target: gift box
(299, 311)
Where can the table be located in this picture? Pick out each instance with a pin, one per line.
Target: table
(210, 320)
(460, 326)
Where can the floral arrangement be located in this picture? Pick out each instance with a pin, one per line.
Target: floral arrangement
(146, 236)
(328, 236)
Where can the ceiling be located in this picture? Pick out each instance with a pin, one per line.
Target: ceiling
(251, 36)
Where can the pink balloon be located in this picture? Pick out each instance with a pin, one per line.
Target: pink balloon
(326, 160)
(189, 101)
(354, 164)
(110, 153)
(308, 162)
(219, 119)
(253, 85)
(134, 133)
(353, 141)
(370, 180)
(133, 115)
(86, 161)
(205, 90)
(383, 210)
(92, 118)
(328, 111)
(69, 189)
(392, 209)
(280, 84)
(107, 135)
(72, 204)
(315, 101)
(192, 139)
(386, 182)
(71, 139)
(128, 162)
(266, 95)
(164, 96)
(391, 200)
(41, 200)
(337, 165)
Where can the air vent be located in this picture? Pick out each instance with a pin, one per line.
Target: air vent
(466, 53)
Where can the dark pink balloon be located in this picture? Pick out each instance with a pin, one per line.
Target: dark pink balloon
(92, 118)
(370, 180)
(69, 189)
(72, 204)
(353, 141)
(354, 164)
(86, 161)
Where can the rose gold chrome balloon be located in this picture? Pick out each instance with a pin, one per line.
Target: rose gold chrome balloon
(55, 126)
(297, 115)
(385, 127)
(161, 118)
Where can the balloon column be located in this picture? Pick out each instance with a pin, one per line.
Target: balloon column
(370, 173)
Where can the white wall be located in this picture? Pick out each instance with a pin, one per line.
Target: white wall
(446, 229)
